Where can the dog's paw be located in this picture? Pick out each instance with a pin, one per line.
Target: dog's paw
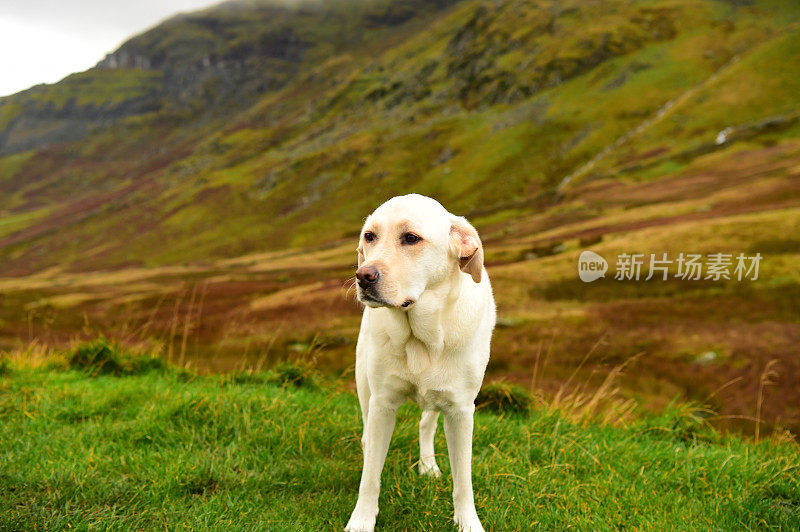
(429, 469)
(360, 524)
(361, 521)
(468, 521)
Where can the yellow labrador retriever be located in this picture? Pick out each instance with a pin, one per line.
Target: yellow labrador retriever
(425, 335)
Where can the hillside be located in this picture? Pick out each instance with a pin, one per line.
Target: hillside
(234, 134)
(163, 448)
(201, 189)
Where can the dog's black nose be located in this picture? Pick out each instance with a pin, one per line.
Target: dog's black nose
(367, 275)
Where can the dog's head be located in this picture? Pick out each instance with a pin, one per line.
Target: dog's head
(410, 244)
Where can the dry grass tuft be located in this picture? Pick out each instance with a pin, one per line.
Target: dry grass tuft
(768, 376)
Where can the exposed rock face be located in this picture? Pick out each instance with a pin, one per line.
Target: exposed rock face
(123, 59)
(227, 55)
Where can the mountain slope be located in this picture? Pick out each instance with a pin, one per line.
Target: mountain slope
(253, 125)
(215, 60)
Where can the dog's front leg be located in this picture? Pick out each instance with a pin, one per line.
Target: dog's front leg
(458, 423)
(378, 433)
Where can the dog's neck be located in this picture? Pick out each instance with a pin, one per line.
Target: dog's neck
(418, 331)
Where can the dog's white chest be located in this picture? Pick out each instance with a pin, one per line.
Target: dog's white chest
(424, 375)
(419, 347)
(418, 356)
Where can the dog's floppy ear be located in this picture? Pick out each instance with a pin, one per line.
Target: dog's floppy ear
(465, 241)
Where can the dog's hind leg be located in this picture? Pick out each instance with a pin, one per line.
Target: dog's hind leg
(427, 457)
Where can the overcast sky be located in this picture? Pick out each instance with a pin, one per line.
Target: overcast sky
(41, 41)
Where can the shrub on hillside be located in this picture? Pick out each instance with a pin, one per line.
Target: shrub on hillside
(503, 397)
(297, 373)
(5, 367)
(103, 357)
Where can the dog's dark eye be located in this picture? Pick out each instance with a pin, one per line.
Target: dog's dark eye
(369, 236)
(410, 238)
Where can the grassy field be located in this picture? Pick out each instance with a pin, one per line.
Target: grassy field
(226, 238)
(91, 439)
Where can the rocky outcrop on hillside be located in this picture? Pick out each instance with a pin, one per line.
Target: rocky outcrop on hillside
(218, 60)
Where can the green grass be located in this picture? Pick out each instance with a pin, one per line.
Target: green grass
(9, 224)
(170, 449)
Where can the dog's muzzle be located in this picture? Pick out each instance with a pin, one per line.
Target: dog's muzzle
(367, 276)
(368, 284)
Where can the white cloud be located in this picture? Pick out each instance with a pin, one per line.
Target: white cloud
(41, 41)
(33, 54)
